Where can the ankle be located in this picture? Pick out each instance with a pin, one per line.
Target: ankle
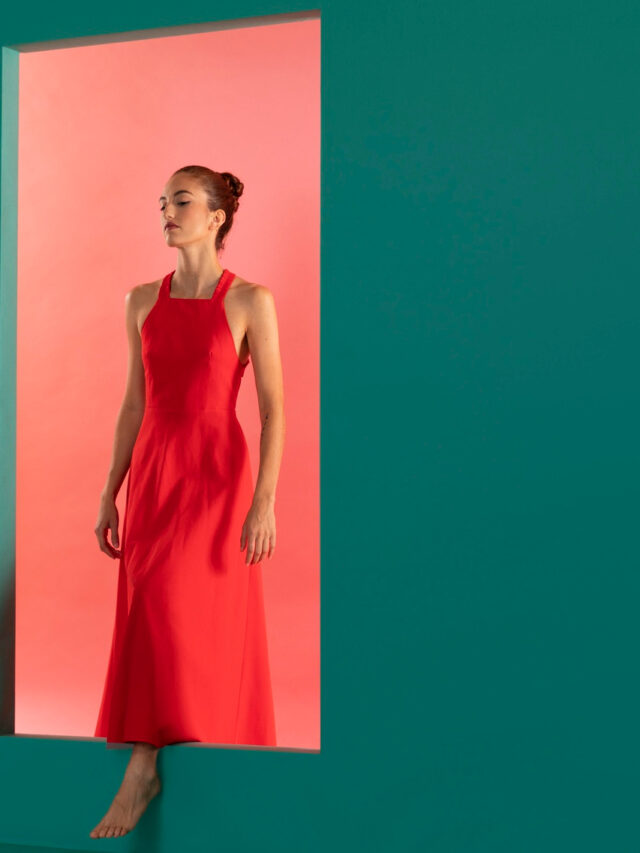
(141, 770)
(142, 762)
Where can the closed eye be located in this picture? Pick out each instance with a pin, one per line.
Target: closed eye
(180, 203)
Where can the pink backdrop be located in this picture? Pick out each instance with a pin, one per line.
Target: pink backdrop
(101, 130)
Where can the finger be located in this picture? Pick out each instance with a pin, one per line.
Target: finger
(250, 550)
(259, 550)
(254, 556)
(99, 531)
(104, 544)
(114, 534)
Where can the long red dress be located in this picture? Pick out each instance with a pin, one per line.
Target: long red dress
(189, 658)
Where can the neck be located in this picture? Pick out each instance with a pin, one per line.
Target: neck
(197, 273)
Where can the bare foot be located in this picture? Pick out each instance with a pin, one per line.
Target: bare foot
(136, 792)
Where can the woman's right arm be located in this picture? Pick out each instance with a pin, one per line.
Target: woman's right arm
(128, 424)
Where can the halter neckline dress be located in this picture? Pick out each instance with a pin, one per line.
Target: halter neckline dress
(189, 657)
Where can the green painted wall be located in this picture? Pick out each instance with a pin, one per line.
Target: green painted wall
(479, 452)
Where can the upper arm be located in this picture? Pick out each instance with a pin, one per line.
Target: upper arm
(264, 346)
(134, 395)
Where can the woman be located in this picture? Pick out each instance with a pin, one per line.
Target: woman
(189, 655)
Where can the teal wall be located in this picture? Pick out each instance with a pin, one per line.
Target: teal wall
(479, 473)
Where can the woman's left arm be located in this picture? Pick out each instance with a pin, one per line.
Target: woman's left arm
(259, 528)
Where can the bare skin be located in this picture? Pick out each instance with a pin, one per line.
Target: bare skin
(251, 319)
(251, 316)
(139, 786)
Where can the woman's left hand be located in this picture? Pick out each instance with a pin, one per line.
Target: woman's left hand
(259, 532)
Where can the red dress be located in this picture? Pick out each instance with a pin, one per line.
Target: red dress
(189, 659)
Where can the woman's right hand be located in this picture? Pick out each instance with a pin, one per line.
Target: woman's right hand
(108, 520)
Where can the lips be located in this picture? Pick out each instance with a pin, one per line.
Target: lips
(169, 225)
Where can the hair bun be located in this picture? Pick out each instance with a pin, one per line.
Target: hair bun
(235, 184)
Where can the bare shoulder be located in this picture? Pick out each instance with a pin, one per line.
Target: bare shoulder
(139, 300)
(255, 298)
(139, 294)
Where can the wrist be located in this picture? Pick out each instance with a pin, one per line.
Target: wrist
(264, 501)
(108, 493)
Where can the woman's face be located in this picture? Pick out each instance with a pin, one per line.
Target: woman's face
(183, 205)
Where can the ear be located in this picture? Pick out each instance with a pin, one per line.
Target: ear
(216, 224)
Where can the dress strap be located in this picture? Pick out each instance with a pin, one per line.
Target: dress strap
(166, 284)
(223, 285)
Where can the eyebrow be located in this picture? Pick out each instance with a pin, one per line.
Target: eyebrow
(177, 192)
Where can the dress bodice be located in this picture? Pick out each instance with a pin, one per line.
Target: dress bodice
(188, 352)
